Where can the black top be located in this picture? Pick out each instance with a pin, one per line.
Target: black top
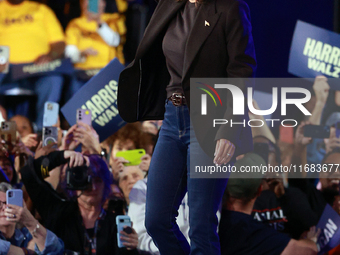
(315, 197)
(241, 234)
(63, 217)
(174, 43)
(290, 214)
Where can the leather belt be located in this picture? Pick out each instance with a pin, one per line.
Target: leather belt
(177, 99)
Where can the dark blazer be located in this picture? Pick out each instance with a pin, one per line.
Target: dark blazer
(222, 49)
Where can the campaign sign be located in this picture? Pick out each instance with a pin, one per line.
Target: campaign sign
(58, 66)
(329, 224)
(315, 51)
(99, 95)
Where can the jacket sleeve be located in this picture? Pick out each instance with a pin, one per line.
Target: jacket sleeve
(44, 197)
(53, 245)
(241, 64)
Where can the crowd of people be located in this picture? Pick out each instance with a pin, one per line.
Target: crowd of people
(271, 214)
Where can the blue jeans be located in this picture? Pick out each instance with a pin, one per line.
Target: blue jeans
(47, 88)
(169, 180)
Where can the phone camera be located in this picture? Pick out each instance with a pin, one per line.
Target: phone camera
(10, 194)
(121, 220)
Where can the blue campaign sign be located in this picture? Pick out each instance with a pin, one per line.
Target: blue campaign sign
(58, 66)
(315, 51)
(329, 224)
(99, 95)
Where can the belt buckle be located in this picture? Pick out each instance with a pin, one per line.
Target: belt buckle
(176, 99)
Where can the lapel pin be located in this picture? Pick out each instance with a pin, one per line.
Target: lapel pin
(206, 23)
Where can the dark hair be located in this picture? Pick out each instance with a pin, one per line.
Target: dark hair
(335, 150)
(14, 180)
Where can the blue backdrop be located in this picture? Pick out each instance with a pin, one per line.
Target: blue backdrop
(273, 27)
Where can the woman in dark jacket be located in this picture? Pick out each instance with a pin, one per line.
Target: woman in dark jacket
(188, 39)
(84, 226)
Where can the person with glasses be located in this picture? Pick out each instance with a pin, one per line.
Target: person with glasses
(80, 221)
(32, 238)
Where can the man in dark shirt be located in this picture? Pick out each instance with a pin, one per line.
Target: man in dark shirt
(239, 232)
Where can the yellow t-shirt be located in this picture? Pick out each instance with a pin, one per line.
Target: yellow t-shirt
(122, 5)
(28, 29)
(83, 34)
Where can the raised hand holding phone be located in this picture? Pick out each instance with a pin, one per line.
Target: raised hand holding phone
(133, 156)
(51, 114)
(14, 197)
(126, 235)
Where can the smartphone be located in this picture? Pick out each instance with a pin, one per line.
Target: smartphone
(116, 205)
(84, 116)
(316, 131)
(92, 6)
(123, 223)
(133, 156)
(9, 132)
(50, 135)
(14, 197)
(51, 113)
(4, 57)
(337, 129)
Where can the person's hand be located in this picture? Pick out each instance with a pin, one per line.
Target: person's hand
(88, 137)
(276, 185)
(321, 89)
(145, 164)
(30, 140)
(43, 59)
(89, 52)
(20, 148)
(68, 142)
(44, 150)
(117, 166)
(224, 151)
(76, 158)
(332, 142)
(313, 234)
(300, 139)
(129, 240)
(20, 214)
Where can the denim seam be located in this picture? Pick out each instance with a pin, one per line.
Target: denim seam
(177, 123)
(184, 122)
